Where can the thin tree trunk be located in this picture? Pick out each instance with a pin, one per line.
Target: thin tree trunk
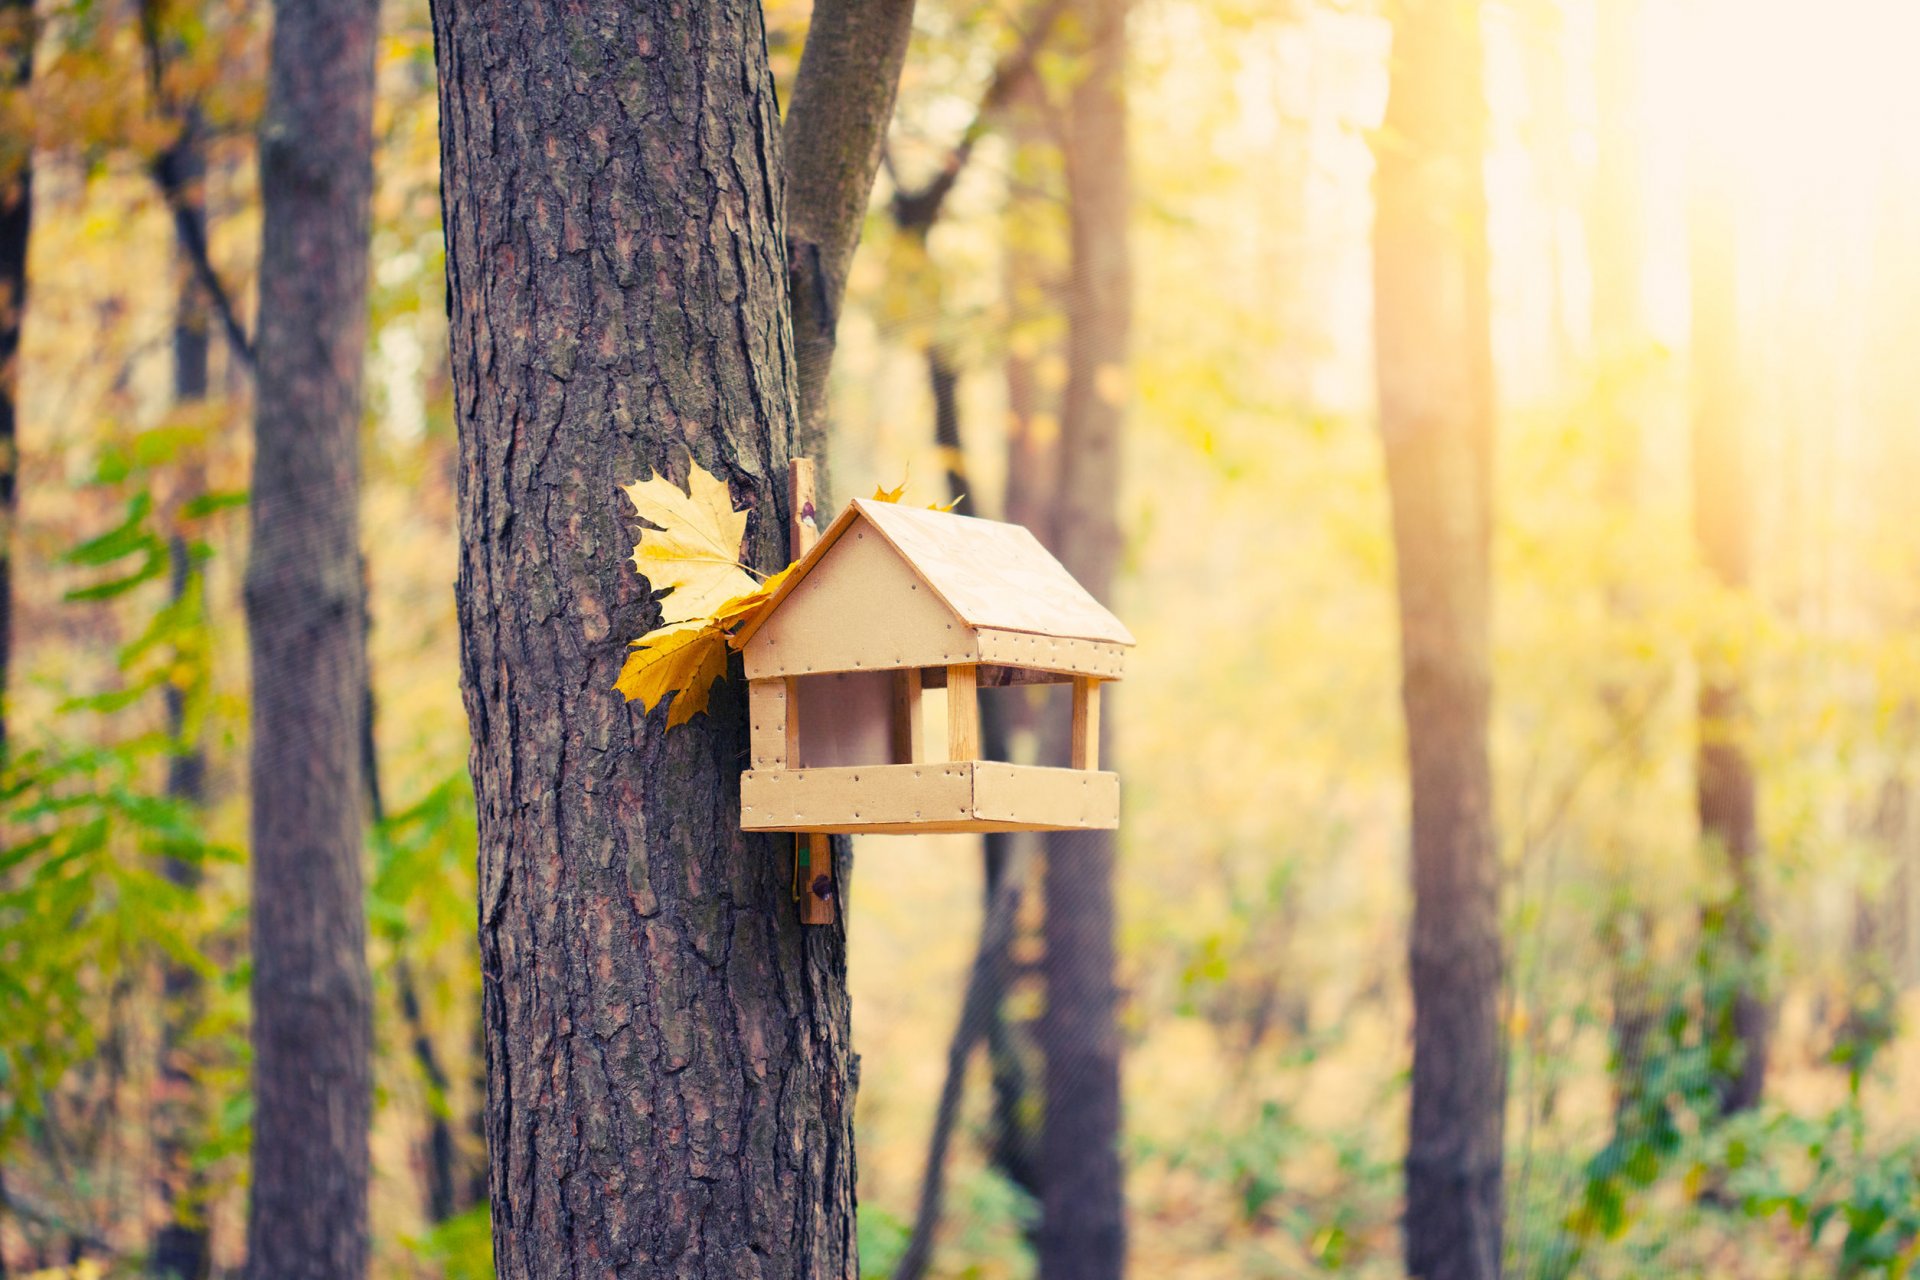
(1432, 345)
(985, 983)
(1083, 1212)
(1032, 481)
(835, 132)
(1004, 875)
(17, 34)
(1723, 529)
(442, 1180)
(180, 1244)
(669, 1064)
(1619, 343)
(312, 1004)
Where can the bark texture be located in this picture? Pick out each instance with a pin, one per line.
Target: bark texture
(670, 1079)
(1722, 522)
(1432, 345)
(835, 131)
(1083, 1211)
(311, 992)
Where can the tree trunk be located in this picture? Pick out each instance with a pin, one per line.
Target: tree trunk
(180, 1246)
(1724, 773)
(1619, 347)
(985, 983)
(443, 1192)
(1032, 481)
(669, 1066)
(836, 128)
(1434, 371)
(17, 33)
(1083, 1210)
(312, 1006)
(1613, 221)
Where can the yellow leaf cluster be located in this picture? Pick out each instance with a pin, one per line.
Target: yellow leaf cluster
(695, 553)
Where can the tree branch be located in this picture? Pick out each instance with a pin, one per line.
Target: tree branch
(919, 209)
(169, 174)
(193, 239)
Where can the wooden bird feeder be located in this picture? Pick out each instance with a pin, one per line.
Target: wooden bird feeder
(891, 602)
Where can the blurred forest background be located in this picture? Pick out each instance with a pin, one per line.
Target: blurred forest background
(1704, 288)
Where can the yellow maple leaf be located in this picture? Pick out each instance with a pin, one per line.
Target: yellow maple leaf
(683, 659)
(711, 666)
(695, 553)
(947, 506)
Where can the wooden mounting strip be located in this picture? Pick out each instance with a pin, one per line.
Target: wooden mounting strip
(803, 522)
(817, 894)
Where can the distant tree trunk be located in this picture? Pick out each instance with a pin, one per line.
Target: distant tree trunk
(180, 1245)
(669, 1064)
(835, 130)
(1613, 221)
(443, 1191)
(1724, 773)
(1619, 343)
(984, 986)
(312, 1005)
(17, 34)
(1033, 455)
(1432, 345)
(1083, 1210)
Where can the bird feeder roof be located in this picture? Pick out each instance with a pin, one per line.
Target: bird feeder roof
(991, 575)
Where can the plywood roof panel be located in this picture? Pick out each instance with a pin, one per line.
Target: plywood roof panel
(993, 574)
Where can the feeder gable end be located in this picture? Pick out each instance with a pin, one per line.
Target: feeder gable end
(862, 607)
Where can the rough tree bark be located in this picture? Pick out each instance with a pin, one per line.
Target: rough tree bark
(835, 132)
(312, 1005)
(1435, 384)
(1723, 771)
(1083, 1211)
(670, 1073)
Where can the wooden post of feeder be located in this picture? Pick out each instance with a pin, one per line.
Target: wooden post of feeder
(1086, 723)
(963, 711)
(907, 732)
(815, 880)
